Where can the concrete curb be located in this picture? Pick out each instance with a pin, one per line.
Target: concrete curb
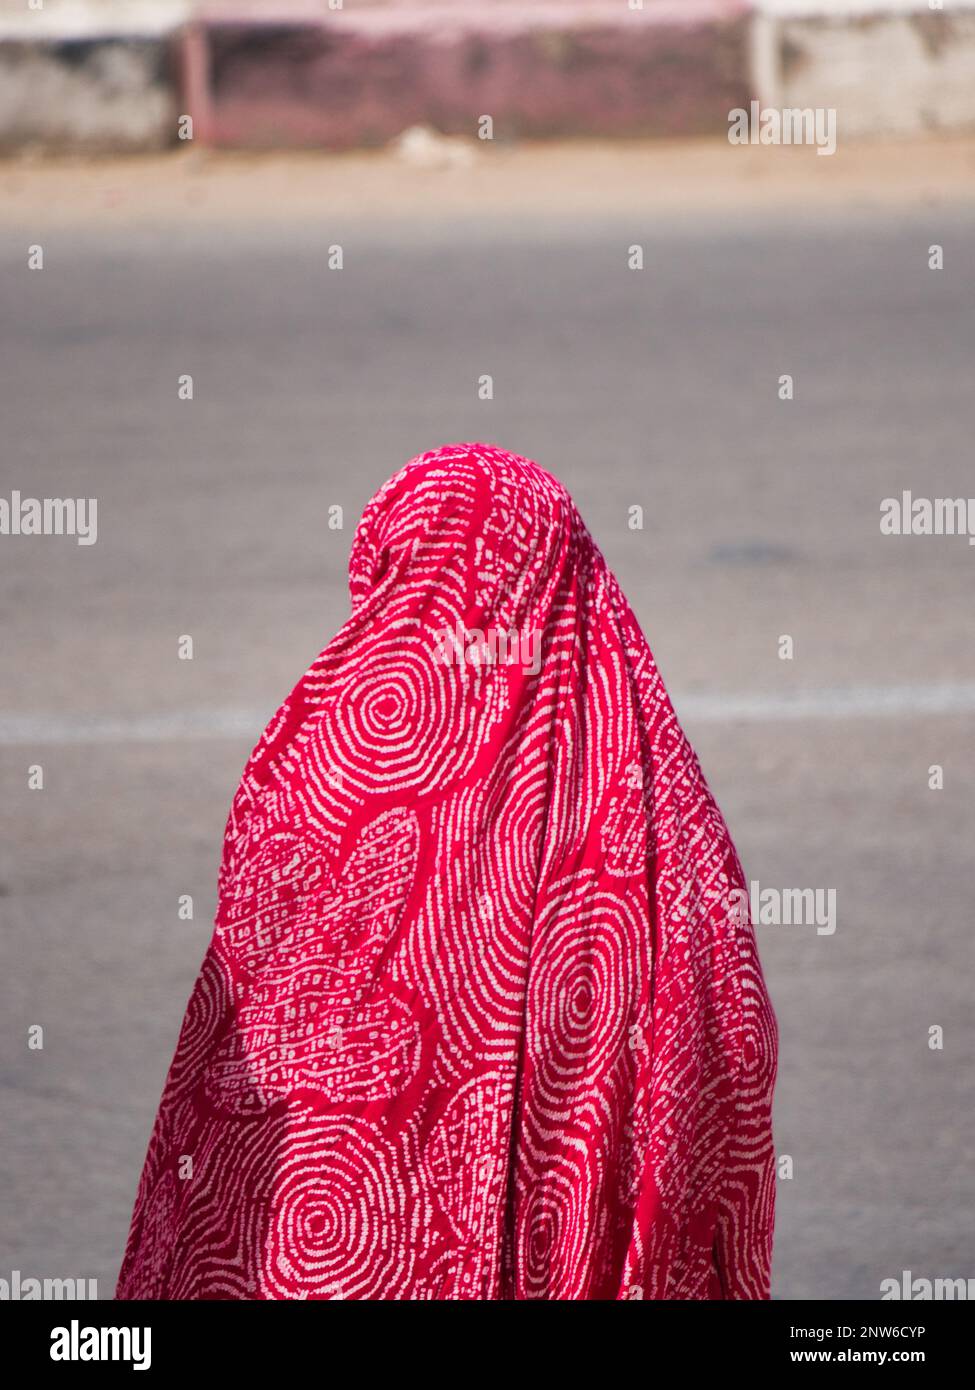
(888, 67)
(90, 76)
(95, 75)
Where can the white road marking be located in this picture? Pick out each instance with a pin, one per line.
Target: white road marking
(831, 702)
(757, 707)
(21, 729)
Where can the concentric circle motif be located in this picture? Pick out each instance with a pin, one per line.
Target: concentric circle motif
(556, 1235)
(403, 721)
(341, 1215)
(590, 957)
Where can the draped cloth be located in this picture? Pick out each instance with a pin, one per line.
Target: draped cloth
(478, 1018)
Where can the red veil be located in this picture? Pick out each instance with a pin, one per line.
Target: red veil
(477, 1020)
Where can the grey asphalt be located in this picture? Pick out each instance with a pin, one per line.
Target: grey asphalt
(655, 388)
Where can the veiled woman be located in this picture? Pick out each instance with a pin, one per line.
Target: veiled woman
(480, 1017)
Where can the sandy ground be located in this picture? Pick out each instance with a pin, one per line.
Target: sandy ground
(656, 389)
(486, 181)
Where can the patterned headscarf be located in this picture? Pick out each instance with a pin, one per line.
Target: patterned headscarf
(481, 1016)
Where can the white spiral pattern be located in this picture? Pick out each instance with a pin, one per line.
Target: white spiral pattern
(338, 1185)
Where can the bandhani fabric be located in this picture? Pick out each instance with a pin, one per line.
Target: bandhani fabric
(478, 1018)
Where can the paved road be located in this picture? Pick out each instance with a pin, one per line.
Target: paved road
(655, 389)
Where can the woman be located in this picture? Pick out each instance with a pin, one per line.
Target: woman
(478, 1019)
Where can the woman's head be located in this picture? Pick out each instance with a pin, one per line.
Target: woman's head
(470, 526)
